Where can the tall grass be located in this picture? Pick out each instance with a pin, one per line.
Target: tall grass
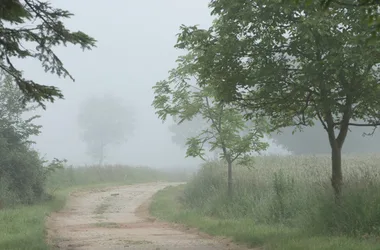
(294, 191)
(117, 174)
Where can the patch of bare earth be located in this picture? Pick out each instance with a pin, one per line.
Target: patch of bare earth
(117, 218)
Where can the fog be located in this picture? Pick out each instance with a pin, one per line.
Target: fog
(134, 51)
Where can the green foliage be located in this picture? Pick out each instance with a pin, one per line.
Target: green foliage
(167, 205)
(292, 67)
(21, 169)
(104, 121)
(23, 173)
(369, 7)
(24, 226)
(292, 191)
(292, 64)
(178, 98)
(40, 25)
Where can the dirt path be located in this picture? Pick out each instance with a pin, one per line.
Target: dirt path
(114, 218)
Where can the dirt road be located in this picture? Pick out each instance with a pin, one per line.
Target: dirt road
(115, 218)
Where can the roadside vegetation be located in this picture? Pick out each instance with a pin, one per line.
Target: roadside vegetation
(32, 187)
(277, 65)
(281, 202)
(262, 67)
(23, 226)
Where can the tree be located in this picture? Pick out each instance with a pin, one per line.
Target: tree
(292, 64)
(34, 23)
(178, 98)
(104, 121)
(12, 125)
(22, 171)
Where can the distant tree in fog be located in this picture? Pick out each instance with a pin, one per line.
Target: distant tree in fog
(186, 129)
(190, 128)
(104, 121)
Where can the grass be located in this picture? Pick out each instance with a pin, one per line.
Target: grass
(281, 203)
(23, 227)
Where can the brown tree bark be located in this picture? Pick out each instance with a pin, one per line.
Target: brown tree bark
(336, 144)
(336, 167)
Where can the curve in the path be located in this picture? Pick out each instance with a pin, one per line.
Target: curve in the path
(111, 219)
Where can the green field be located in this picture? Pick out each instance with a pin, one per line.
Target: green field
(281, 203)
(22, 227)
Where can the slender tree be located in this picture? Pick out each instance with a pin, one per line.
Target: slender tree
(177, 97)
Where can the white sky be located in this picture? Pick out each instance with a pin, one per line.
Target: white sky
(134, 51)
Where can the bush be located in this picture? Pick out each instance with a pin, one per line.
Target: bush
(294, 191)
(21, 168)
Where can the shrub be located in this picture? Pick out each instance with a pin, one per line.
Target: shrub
(21, 168)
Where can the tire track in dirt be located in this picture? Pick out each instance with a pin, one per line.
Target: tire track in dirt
(117, 218)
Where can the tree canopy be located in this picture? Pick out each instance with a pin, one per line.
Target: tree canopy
(31, 29)
(352, 3)
(370, 8)
(292, 64)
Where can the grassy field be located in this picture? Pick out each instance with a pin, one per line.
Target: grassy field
(23, 227)
(281, 203)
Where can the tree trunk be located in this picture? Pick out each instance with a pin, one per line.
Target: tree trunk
(337, 176)
(336, 143)
(336, 159)
(229, 181)
(101, 156)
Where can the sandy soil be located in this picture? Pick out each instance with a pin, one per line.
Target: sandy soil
(117, 218)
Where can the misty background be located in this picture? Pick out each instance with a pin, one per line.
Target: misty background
(134, 51)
